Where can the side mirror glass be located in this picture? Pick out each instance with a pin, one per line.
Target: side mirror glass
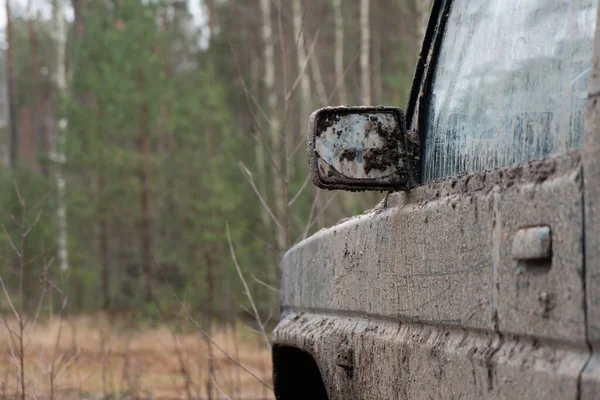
(361, 148)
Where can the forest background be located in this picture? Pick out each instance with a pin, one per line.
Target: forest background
(153, 173)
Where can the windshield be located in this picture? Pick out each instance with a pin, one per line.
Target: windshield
(510, 84)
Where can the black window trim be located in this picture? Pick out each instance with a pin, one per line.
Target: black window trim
(423, 72)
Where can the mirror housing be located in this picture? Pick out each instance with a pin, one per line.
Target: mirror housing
(361, 148)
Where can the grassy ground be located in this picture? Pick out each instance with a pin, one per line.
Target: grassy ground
(99, 358)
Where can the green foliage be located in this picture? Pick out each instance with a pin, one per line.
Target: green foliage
(27, 221)
(140, 74)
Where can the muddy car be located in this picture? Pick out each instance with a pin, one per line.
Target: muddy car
(478, 276)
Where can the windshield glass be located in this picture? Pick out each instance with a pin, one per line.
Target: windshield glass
(510, 84)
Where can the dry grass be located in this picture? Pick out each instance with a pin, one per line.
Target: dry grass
(98, 358)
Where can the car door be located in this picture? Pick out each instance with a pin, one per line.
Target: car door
(506, 91)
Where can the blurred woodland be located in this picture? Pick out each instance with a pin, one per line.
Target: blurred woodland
(134, 133)
(153, 159)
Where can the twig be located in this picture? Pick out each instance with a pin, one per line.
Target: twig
(265, 284)
(12, 244)
(184, 371)
(245, 87)
(55, 360)
(282, 46)
(310, 214)
(321, 212)
(246, 288)
(37, 219)
(293, 200)
(219, 388)
(250, 179)
(341, 78)
(255, 121)
(301, 144)
(303, 69)
(210, 339)
(10, 303)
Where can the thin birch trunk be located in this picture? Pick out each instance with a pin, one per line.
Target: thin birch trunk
(146, 222)
(40, 134)
(301, 60)
(274, 121)
(365, 51)
(10, 77)
(377, 78)
(59, 156)
(339, 51)
(318, 77)
(258, 146)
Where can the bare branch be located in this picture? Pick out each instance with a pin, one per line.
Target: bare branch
(250, 179)
(10, 303)
(322, 211)
(271, 159)
(293, 200)
(282, 46)
(310, 215)
(219, 388)
(12, 244)
(341, 78)
(44, 290)
(246, 90)
(210, 339)
(263, 241)
(265, 284)
(40, 201)
(249, 97)
(37, 219)
(21, 201)
(303, 69)
(246, 288)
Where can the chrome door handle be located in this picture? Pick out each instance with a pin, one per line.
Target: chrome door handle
(533, 243)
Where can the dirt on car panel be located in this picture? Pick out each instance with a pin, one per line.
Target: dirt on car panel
(348, 154)
(386, 156)
(384, 359)
(326, 121)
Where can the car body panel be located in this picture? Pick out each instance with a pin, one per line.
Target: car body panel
(439, 257)
(393, 359)
(421, 297)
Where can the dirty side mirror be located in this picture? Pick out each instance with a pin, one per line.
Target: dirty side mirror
(361, 148)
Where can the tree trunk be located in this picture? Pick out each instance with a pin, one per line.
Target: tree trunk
(318, 77)
(365, 52)
(305, 96)
(102, 211)
(259, 146)
(58, 155)
(10, 77)
(377, 77)
(339, 52)
(103, 236)
(210, 300)
(146, 229)
(210, 5)
(38, 126)
(78, 6)
(274, 123)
